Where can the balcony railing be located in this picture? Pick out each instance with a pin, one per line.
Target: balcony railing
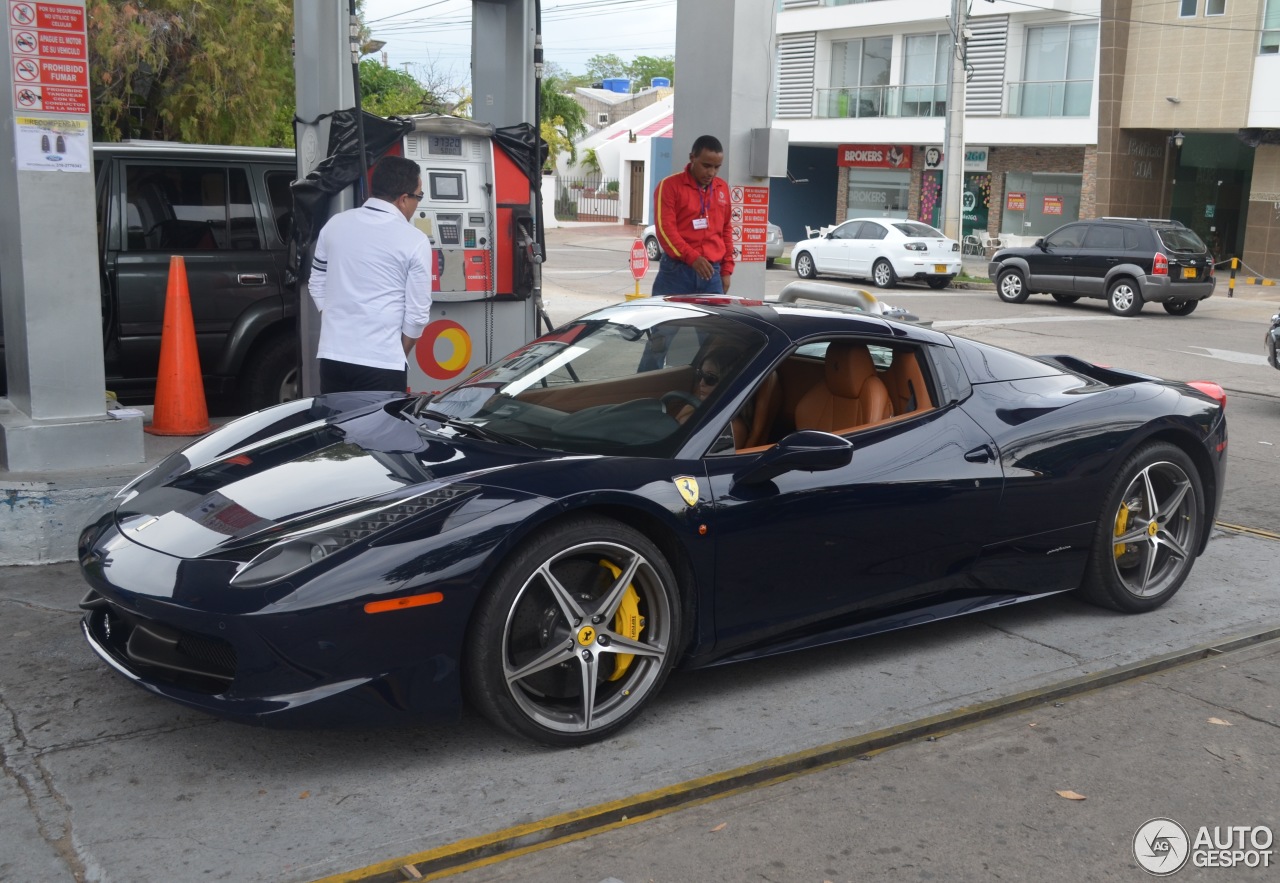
(1049, 98)
(883, 101)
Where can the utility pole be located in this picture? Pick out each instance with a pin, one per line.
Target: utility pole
(953, 179)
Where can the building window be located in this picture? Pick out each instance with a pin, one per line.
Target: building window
(1188, 9)
(859, 77)
(877, 194)
(924, 75)
(1271, 28)
(1215, 7)
(1058, 73)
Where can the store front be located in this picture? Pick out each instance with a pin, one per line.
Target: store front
(875, 179)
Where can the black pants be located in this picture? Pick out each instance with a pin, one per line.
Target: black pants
(345, 377)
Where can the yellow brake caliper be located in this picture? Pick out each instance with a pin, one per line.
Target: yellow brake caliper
(627, 622)
(1122, 524)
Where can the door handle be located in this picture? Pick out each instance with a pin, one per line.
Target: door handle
(251, 278)
(980, 454)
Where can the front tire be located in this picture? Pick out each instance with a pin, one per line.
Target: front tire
(1148, 531)
(576, 632)
(805, 267)
(1124, 298)
(1180, 307)
(1011, 287)
(882, 274)
(652, 250)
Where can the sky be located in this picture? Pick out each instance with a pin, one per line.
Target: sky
(438, 32)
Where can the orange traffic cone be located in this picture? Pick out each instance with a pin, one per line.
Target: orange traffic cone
(180, 406)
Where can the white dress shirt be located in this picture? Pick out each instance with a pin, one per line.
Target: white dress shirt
(371, 281)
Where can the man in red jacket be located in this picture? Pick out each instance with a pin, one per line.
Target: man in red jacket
(691, 215)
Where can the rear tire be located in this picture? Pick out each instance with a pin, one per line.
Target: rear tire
(882, 274)
(936, 282)
(805, 267)
(546, 654)
(271, 373)
(1011, 287)
(1180, 307)
(1148, 532)
(1124, 297)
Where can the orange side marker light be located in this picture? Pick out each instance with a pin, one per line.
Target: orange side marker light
(404, 603)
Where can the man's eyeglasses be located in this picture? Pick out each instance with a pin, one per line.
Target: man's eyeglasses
(707, 377)
(416, 197)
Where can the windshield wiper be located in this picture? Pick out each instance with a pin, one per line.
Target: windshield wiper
(474, 429)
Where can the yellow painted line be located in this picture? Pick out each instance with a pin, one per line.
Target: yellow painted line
(489, 849)
(1254, 531)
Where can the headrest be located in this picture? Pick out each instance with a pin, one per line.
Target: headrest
(848, 365)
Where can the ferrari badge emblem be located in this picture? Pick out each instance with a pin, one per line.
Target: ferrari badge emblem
(687, 485)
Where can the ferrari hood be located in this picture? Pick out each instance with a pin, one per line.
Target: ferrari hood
(305, 474)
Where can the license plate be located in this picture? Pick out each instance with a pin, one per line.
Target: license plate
(1188, 272)
(939, 268)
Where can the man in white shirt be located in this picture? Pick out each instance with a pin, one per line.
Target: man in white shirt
(371, 281)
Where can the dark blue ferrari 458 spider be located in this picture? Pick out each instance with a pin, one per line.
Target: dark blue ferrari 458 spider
(669, 482)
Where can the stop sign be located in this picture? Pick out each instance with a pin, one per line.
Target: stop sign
(639, 260)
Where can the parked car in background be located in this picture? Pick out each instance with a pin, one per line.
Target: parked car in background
(1128, 261)
(227, 211)
(772, 250)
(883, 250)
(1272, 342)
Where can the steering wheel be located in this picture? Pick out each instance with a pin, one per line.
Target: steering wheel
(677, 396)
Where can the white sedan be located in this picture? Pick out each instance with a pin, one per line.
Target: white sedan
(883, 250)
(772, 244)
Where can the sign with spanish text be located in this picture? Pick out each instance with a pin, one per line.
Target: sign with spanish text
(1053, 205)
(49, 75)
(1015, 202)
(749, 217)
(874, 156)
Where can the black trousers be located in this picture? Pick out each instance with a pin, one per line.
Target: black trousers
(345, 377)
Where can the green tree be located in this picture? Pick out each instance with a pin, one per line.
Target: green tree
(564, 115)
(387, 92)
(552, 131)
(643, 68)
(601, 67)
(187, 70)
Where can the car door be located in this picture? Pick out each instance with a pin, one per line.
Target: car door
(1051, 268)
(208, 213)
(831, 253)
(1102, 249)
(903, 522)
(866, 247)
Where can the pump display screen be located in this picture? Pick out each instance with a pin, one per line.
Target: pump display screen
(446, 186)
(444, 145)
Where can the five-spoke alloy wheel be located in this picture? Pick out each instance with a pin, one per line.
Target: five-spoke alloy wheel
(1149, 531)
(805, 267)
(1124, 298)
(1011, 288)
(882, 274)
(576, 632)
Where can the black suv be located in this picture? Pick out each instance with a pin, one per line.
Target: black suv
(1129, 261)
(227, 211)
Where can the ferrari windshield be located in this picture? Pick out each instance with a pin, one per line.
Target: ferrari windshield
(631, 379)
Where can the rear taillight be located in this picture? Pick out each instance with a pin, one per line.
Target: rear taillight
(1160, 266)
(1212, 390)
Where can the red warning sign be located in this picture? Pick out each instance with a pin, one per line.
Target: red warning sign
(50, 57)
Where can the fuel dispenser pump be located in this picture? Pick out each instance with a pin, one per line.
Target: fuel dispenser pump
(477, 208)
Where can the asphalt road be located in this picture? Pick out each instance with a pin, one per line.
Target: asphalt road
(104, 782)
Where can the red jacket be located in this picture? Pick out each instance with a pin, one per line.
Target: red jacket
(676, 203)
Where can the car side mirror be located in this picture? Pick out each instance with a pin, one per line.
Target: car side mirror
(1040, 245)
(805, 451)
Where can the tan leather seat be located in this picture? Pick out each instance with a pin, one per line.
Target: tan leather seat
(852, 396)
(764, 410)
(907, 389)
